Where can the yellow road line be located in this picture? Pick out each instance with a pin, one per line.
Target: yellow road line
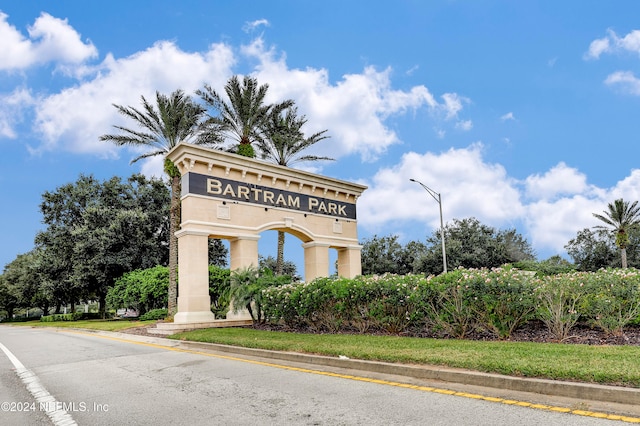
(585, 413)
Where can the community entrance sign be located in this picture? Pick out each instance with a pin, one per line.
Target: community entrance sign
(236, 198)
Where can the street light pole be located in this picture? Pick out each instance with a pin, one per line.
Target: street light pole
(436, 196)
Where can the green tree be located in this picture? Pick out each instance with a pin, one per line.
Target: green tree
(242, 119)
(381, 255)
(289, 268)
(284, 144)
(621, 217)
(592, 250)
(23, 283)
(217, 253)
(62, 210)
(410, 255)
(97, 231)
(9, 298)
(174, 119)
(471, 244)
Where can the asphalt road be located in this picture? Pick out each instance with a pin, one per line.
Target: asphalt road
(66, 377)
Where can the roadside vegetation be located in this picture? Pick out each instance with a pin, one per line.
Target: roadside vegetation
(613, 365)
(101, 325)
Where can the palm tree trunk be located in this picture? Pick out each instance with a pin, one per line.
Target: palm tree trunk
(174, 225)
(280, 256)
(623, 256)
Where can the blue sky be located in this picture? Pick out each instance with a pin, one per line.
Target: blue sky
(524, 115)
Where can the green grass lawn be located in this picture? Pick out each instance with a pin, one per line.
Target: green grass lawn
(614, 365)
(109, 325)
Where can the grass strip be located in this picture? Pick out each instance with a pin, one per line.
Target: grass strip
(612, 365)
(102, 325)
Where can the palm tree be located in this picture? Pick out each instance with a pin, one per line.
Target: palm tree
(242, 119)
(283, 144)
(176, 119)
(622, 217)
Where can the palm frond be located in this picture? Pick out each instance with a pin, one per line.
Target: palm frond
(161, 126)
(285, 139)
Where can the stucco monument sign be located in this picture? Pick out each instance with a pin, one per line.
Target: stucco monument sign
(236, 198)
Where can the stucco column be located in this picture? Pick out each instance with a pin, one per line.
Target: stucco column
(194, 303)
(349, 261)
(244, 251)
(316, 260)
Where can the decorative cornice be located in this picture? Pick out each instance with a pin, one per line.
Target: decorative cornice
(186, 156)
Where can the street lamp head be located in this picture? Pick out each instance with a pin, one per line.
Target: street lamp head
(412, 180)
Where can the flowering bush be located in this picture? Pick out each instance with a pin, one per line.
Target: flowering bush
(448, 303)
(559, 297)
(503, 299)
(497, 300)
(612, 299)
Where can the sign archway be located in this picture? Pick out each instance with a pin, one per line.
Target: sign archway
(235, 198)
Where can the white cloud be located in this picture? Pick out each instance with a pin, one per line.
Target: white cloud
(625, 80)
(469, 187)
(452, 104)
(597, 48)
(630, 42)
(628, 188)
(153, 167)
(563, 202)
(560, 180)
(252, 25)
(551, 224)
(12, 107)
(412, 70)
(353, 109)
(75, 118)
(465, 125)
(508, 116)
(613, 43)
(50, 40)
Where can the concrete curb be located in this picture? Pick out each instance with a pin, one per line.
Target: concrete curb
(577, 390)
(593, 392)
(553, 388)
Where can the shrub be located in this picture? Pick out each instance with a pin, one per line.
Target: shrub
(75, 316)
(141, 290)
(449, 307)
(219, 291)
(154, 314)
(391, 307)
(612, 299)
(246, 289)
(499, 301)
(503, 299)
(559, 297)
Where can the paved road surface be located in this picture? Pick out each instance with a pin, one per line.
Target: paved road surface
(87, 379)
